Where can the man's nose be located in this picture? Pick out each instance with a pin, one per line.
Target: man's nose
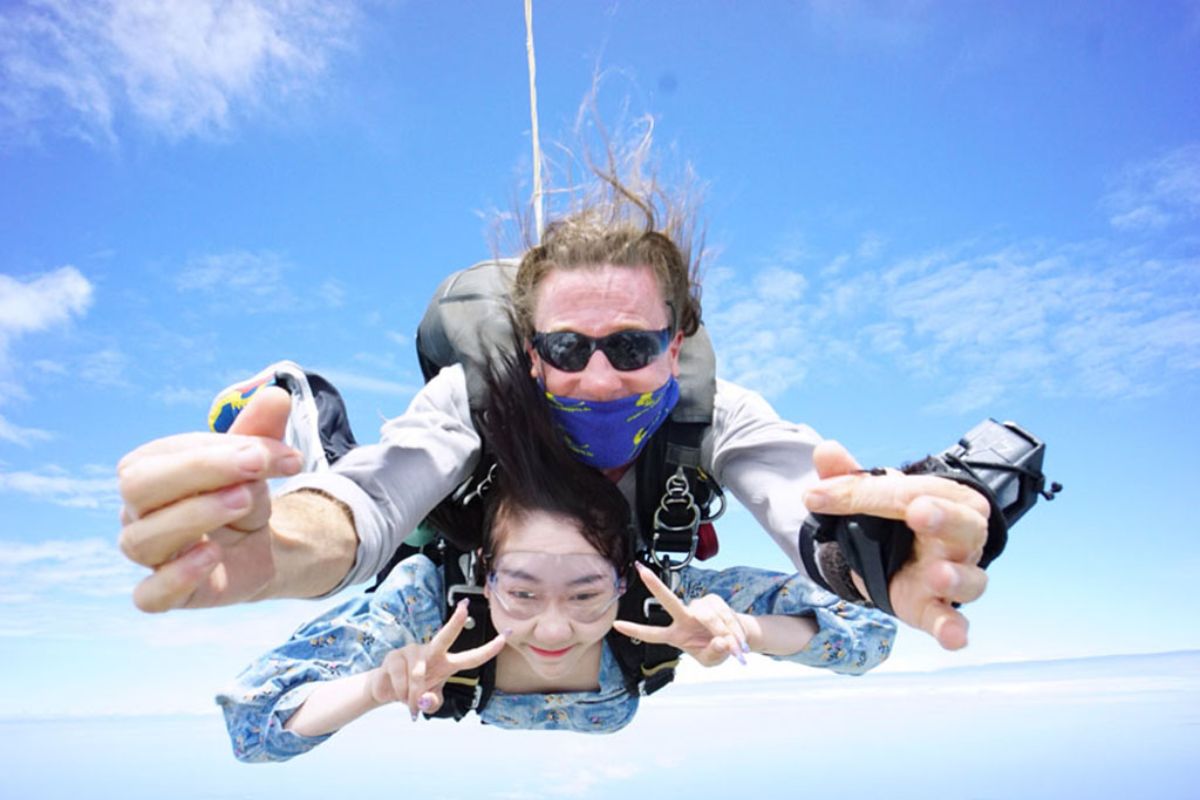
(599, 380)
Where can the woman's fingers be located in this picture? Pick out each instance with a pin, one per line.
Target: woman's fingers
(477, 656)
(670, 603)
(441, 641)
(647, 633)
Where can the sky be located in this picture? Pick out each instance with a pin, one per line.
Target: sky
(920, 214)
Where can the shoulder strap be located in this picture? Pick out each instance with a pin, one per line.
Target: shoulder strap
(468, 690)
(646, 667)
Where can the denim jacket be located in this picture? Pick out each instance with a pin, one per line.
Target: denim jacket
(407, 608)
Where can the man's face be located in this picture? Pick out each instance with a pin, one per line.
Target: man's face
(598, 301)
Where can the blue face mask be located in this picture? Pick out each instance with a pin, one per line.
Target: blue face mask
(611, 433)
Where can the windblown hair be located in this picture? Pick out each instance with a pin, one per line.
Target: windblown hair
(534, 471)
(622, 216)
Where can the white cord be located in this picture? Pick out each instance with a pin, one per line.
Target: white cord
(533, 113)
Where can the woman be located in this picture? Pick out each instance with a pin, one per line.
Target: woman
(557, 553)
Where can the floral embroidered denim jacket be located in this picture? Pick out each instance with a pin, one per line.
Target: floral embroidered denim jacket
(355, 637)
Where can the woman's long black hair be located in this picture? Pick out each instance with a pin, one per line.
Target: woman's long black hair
(534, 471)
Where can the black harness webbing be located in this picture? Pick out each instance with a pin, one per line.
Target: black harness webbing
(467, 690)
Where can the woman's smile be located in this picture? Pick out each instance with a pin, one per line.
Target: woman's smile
(551, 653)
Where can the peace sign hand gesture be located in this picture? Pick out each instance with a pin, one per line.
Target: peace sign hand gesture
(415, 674)
(707, 629)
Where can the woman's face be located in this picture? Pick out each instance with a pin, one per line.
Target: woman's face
(596, 302)
(549, 577)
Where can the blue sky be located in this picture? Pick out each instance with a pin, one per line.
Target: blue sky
(921, 214)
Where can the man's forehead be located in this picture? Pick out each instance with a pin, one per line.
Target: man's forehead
(607, 296)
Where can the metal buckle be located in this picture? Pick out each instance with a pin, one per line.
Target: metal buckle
(677, 495)
(464, 497)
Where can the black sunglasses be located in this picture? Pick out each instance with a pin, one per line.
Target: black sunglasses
(625, 350)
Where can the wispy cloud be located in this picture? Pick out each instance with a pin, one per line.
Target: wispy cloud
(40, 303)
(11, 432)
(58, 487)
(84, 567)
(76, 67)
(1094, 320)
(33, 305)
(366, 383)
(1158, 193)
(243, 281)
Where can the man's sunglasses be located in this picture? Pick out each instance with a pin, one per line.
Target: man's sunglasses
(625, 350)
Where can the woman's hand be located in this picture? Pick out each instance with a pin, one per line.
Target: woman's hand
(415, 674)
(707, 629)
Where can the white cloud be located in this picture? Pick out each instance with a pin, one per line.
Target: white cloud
(77, 66)
(183, 396)
(1158, 193)
(241, 281)
(105, 368)
(42, 302)
(366, 383)
(30, 306)
(978, 321)
(55, 486)
(11, 432)
(87, 567)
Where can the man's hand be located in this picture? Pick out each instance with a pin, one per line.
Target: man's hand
(197, 508)
(949, 525)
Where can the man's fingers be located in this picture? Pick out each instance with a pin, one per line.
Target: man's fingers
(831, 460)
(260, 509)
(945, 624)
(887, 495)
(959, 530)
(210, 463)
(155, 538)
(670, 603)
(955, 583)
(265, 415)
(174, 583)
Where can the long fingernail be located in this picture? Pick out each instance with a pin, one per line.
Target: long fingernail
(424, 703)
(816, 500)
(741, 658)
(414, 716)
(745, 646)
(507, 633)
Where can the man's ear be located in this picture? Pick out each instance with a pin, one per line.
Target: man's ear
(673, 352)
(535, 361)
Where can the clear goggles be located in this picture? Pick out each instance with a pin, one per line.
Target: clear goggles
(525, 584)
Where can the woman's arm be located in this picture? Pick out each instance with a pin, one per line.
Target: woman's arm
(777, 634)
(334, 704)
(710, 631)
(413, 674)
(352, 639)
(845, 638)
